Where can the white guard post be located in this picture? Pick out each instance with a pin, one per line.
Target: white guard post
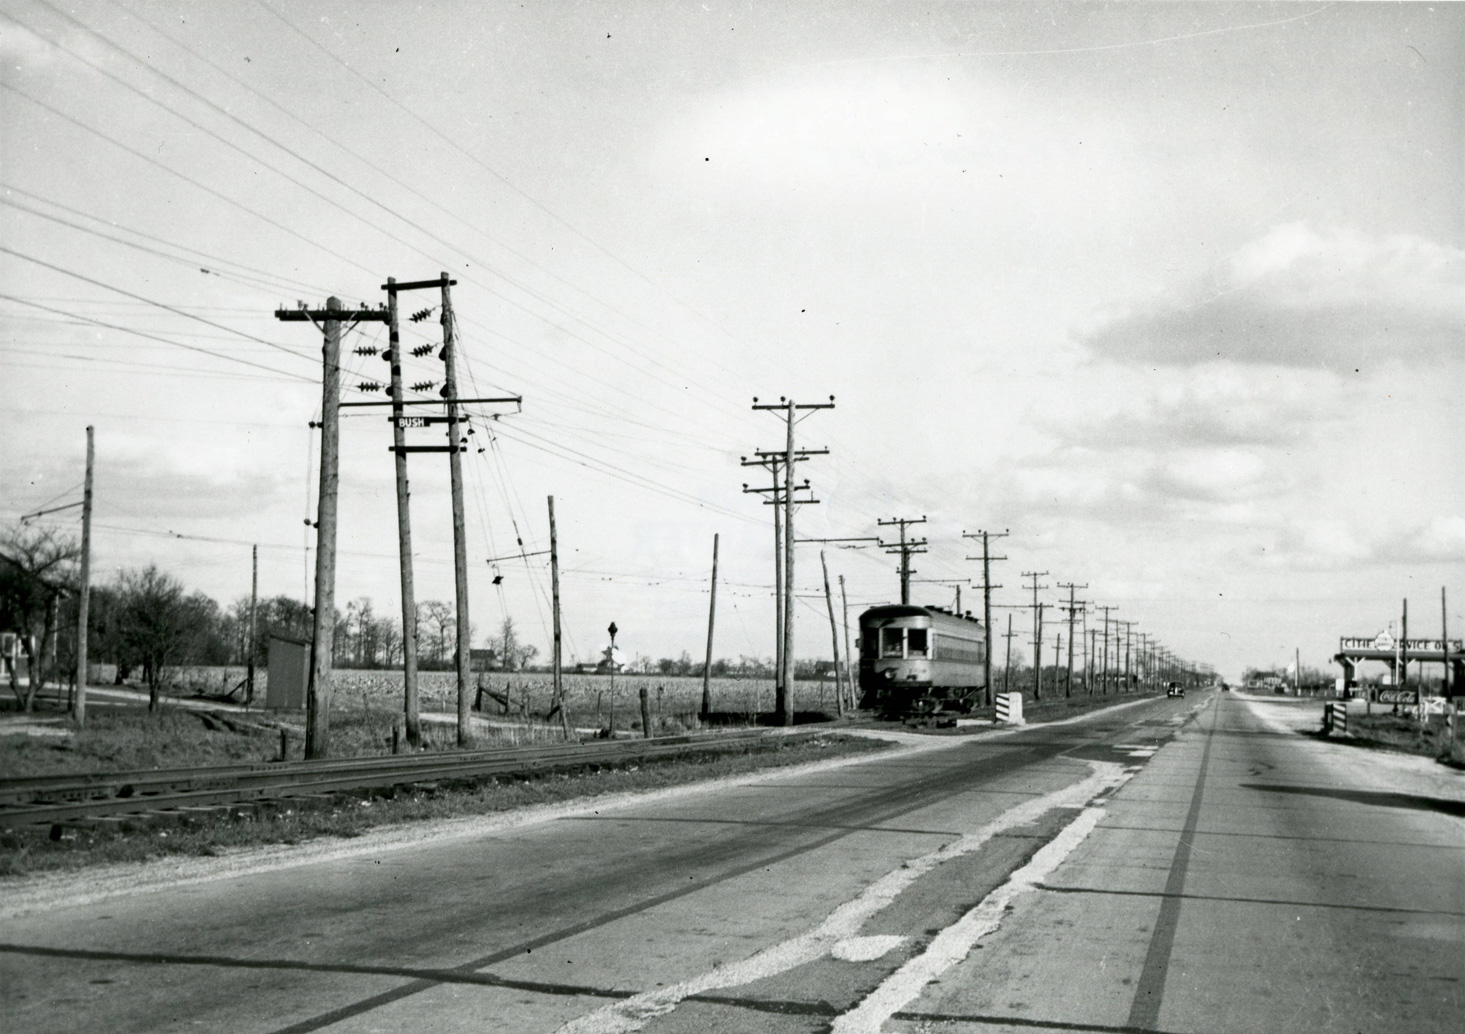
(1009, 708)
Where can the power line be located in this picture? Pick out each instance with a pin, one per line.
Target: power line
(154, 337)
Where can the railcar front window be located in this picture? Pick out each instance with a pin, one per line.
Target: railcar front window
(915, 642)
(892, 642)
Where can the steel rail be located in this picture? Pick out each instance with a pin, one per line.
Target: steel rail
(110, 794)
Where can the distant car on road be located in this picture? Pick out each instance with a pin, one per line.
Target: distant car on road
(1175, 689)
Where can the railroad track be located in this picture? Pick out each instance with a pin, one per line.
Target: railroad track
(182, 793)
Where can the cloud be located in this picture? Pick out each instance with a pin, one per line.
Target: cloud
(1331, 543)
(1211, 406)
(1300, 296)
(1442, 539)
(171, 478)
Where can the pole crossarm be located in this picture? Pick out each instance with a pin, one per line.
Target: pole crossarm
(779, 456)
(784, 406)
(304, 315)
(516, 399)
(415, 285)
(53, 509)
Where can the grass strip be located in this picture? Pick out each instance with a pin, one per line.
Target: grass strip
(31, 850)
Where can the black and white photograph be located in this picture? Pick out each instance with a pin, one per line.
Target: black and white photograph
(681, 516)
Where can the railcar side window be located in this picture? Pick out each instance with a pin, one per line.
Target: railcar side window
(867, 645)
(892, 642)
(915, 642)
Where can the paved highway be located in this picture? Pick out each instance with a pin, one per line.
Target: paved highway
(1173, 865)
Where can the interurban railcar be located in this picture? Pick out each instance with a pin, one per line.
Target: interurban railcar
(921, 660)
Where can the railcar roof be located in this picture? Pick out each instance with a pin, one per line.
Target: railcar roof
(896, 610)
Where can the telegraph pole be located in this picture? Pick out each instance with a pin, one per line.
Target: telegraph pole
(460, 529)
(1071, 608)
(833, 634)
(987, 588)
(849, 658)
(790, 456)
(554, 585)
(906, 549)
(253, 603)
(1128, 625)
(1104, 664)
(411, 718)
(711, 617)
(83, 604)
(1007, 666)
(772, 463)
(318, 699)
(1037, 633)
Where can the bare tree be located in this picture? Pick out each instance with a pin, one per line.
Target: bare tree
(37, 567)
(160, 624)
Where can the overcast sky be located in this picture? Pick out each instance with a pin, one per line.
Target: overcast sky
(1172, 292)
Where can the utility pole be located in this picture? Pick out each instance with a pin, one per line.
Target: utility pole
(400, 423)
(775, 491)
(411, 718)
(1128, 625)
(1445, 684)
(1037, 633)
(1104, 664)
(554, 585)
(253, 604)
(906, 549)
(833, 635)
(987, 588)
(790, 456)
(318, 699)
(711, 617)
(849, 657)
(1007, 665)
(460, 526)
(773, 463)
(83, 603)
(1072, 605)
(1403, 679)
(1092, 639)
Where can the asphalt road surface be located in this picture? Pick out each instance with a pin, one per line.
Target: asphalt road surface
(1173, 865)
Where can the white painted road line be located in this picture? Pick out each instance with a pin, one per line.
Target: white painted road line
(844, 922)
(956, 942)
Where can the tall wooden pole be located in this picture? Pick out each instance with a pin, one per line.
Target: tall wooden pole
(1007, 666)
(1445, 686)
(780, 687)
(410, 705)
(711, 621)
(833, 634)
(554, 583)
(318, 700)
(849, 657)
(1038, 653)
(460, 531)
(789, 674)
(253, 609)
(83, 605)
(1403, 679)
(987, 615)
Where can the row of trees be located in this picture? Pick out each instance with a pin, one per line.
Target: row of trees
(144, 622)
